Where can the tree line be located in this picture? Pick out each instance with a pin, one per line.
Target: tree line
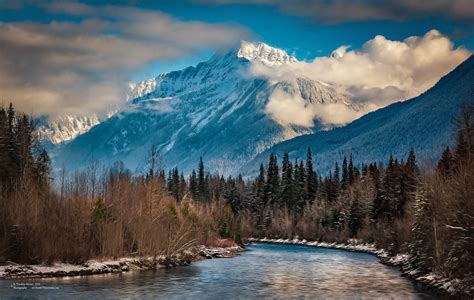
(429, 213)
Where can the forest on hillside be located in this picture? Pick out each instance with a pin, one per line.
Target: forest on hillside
(113, 212)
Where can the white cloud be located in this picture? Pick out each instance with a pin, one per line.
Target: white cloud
(85, 66)
(287, 106)
(340, 11)
(396, 69)
(381, 72)
(289, 109)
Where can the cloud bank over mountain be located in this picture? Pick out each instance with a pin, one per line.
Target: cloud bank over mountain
(82, 65)
(381, 72)
(341, 11)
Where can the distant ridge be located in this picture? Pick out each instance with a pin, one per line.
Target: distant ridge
(215, 109)
(424, 123)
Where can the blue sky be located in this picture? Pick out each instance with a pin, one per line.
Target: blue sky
(298, 35)
(54, 50)
(304, 38)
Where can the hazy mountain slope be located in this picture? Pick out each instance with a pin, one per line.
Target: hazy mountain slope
(214, 110)
(424, 123)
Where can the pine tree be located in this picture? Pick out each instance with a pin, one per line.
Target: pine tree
(352, 171)
(162, 176)
(4, 159)
(446, 163)
(462, 149)
(193, 185)
(272, 185)
(355, 217)
(408, 182)
(260, 187)
(182, 187)
(232, 197)
(345, 175)
(169, 183)
(422, 246)
(174, 184)
(287, 188)
(311, 179)
(43, 167)
(24, 142)
(336, 177)
(387, 199)
(334, 184)
(13, 156)
(202, 183)
(300, 181)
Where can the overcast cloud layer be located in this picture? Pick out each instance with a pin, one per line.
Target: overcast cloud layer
(82, 67)
(381, 72)
(340, 11)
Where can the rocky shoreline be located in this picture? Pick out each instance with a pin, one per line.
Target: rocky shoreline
(452, 288)
(125, 264)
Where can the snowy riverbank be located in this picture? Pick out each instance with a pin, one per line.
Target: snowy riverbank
(449, 287)
(125, 264)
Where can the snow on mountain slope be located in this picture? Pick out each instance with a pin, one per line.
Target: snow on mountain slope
(216, 110)
(64, 128)
(60, 129)
(424, 123)
(264, 53)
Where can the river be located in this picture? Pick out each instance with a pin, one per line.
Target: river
(263, 271)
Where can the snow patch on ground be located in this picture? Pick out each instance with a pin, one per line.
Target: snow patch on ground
(124, 264)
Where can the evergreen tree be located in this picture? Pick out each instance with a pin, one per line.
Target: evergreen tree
(182, 187)
(43, 165)
(462, 149)
(162, 176)
(169, 182)
(232, 196)
(287, 188)
(300, 181)
(422, 246)
(272, 185)
(175, 185)
(202, 183)
(446, 164)
(24, 142)
(4, 159)
(408, 182)
(352, 171)
(13, 156)
(260, 187)
(387, 199)
(333, 184)
(355, 217)
(311, 179)
(345, 175)
(336, 178)
(193, 185)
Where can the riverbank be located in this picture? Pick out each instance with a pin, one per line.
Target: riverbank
(125, 264)
(454, 288)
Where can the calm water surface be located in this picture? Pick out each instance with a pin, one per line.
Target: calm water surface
(264, 271)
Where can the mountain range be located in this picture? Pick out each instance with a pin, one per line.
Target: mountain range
(216, 110)
(219, 110)
(426, 123)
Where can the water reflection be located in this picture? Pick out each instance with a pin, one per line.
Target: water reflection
(272, 271)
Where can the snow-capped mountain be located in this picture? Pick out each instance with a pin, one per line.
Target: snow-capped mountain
(264, 53)
(216, 109)
(64, 128)
(425, 123)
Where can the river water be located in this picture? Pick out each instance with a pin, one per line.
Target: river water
(264, 271)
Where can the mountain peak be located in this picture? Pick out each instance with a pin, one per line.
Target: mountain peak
(263, 52)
